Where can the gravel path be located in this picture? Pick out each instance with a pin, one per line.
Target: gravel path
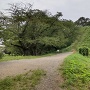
(50, 64)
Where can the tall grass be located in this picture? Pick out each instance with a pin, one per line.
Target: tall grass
(76, 72)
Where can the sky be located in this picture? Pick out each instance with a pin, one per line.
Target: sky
(71, 9)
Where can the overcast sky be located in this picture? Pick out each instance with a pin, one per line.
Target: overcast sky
(71, 9)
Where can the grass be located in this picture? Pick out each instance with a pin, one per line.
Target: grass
(10, 57)
(76, 72)
(25, 81)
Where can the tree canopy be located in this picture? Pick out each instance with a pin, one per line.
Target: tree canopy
(33, 32)
(83, 21)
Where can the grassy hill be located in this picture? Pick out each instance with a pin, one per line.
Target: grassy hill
(76, 72)
(76, 68)
(83, 39)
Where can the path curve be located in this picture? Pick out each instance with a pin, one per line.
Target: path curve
(49, 64)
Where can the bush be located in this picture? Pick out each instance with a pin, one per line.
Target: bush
(84, 51)
(1, 55)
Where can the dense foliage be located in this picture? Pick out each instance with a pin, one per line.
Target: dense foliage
(84, 51)
(76, 72)
(33, 32)
(83, 39)
(1, 55)
(82, 21)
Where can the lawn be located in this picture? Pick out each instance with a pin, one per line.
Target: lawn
(10, 57)
(76, 72)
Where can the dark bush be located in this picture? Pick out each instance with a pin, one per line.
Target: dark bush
(84, 51)
(1, 55)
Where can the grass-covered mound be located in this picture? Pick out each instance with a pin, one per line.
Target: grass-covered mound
(76, 72)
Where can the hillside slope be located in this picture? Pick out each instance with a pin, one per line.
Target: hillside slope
(83, 39)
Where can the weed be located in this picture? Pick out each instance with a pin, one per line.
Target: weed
(76, 72)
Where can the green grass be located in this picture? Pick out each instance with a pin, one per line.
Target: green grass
(9, 57)
(76, 72)
(25, 81)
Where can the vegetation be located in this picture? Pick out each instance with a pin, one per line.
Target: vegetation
(84, 51)
(34, 32)
(25, 81)
(76, 72)
(29, 33)
(1, 55)
(10, 57)
(82, 21)
(83, 38)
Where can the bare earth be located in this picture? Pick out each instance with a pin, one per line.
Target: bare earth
(50, 64)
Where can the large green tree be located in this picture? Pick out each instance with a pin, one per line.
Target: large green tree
(32, 32)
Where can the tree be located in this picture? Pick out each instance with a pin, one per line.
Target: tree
(83, 21)
(32, 32)
(72, 31)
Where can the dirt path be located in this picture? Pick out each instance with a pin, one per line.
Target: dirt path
(49, 64)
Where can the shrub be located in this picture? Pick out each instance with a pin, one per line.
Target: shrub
(1, 55)
(84, 51)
